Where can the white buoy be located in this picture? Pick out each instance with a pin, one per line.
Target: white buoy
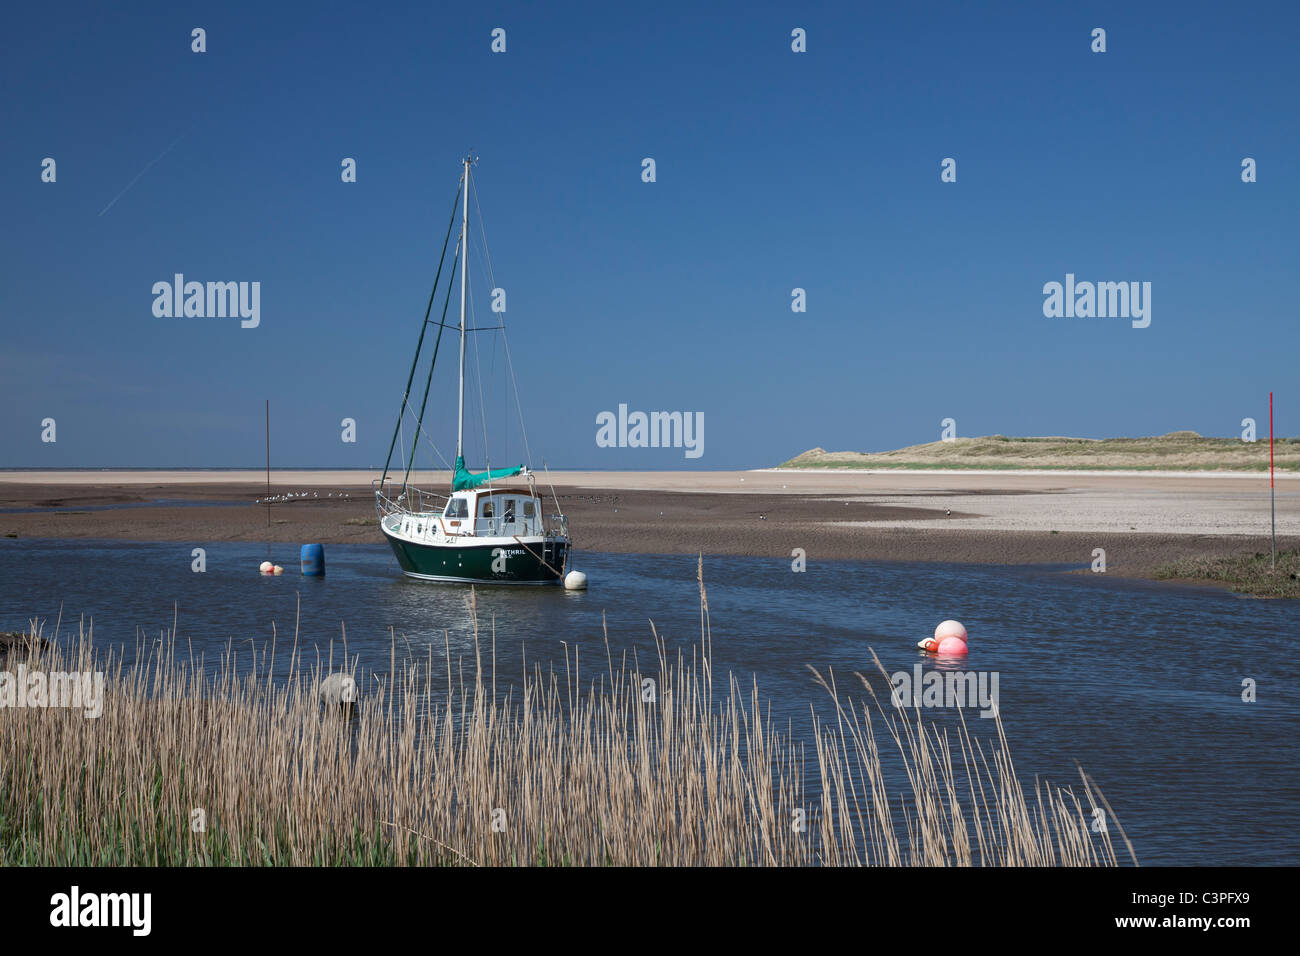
(266, 567)
(575, 581)
(277, 570)
(951, 629)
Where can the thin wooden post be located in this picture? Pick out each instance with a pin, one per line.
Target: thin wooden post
(268, 479)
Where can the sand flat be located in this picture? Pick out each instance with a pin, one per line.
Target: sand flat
(1142, 519)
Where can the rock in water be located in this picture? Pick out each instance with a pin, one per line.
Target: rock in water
(339, 690)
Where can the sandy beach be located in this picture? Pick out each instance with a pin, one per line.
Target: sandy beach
(1143, 520)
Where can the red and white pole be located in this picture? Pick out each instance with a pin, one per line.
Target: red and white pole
(1272, 494)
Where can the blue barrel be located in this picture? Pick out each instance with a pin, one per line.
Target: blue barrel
(313, 560)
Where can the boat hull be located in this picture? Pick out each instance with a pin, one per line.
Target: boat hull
(532, 560)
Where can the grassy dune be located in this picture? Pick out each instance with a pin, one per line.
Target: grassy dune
(1177, 451)
(434, 767)
(1253, 574)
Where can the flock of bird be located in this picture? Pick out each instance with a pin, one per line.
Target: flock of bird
(299, 495)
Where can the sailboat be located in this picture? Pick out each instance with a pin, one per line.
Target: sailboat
(487, 529)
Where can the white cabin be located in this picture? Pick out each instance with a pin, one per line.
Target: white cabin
(481, 513)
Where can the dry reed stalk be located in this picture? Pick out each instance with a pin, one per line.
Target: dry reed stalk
(634, 768)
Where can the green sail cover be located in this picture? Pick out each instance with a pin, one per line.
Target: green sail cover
(462, 480)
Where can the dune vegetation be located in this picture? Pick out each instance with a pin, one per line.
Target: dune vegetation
(1176, 451)
(1254, 573)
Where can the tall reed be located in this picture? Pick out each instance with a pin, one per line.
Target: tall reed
(627, 766)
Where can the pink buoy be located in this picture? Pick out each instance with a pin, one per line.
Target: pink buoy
(952, 645)
(950, 629)
(949, 638)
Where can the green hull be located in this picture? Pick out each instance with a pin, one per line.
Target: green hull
(541, 562)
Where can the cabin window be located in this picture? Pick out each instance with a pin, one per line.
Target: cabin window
(510, 510)
(487, 509)
(456, 508)
(528, 509)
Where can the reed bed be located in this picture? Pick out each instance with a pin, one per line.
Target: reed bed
(629, 766)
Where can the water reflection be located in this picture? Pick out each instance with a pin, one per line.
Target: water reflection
(1140, 683)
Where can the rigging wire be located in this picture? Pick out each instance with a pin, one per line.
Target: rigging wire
(424, 402)
(501, 323)
(424, 326)
(482, 405)
(505, 341)
(481, 244)
(432, 444)
(478, 365)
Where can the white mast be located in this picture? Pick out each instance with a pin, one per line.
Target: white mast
(464, 256)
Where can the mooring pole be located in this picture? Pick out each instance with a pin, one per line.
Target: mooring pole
(268, 479)
(1272, 492)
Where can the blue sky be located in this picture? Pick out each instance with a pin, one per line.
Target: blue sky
(775, 170)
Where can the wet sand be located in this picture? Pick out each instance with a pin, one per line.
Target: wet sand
(1142, 520)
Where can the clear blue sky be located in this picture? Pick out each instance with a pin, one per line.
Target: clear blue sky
(775, 170)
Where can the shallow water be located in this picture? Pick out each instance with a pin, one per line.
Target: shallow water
(1140, 683)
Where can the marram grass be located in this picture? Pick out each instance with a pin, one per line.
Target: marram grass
(434, 767)
(1176, 451)
(1253, 573)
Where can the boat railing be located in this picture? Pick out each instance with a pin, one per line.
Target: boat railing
(557, 526)
(410, 500)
